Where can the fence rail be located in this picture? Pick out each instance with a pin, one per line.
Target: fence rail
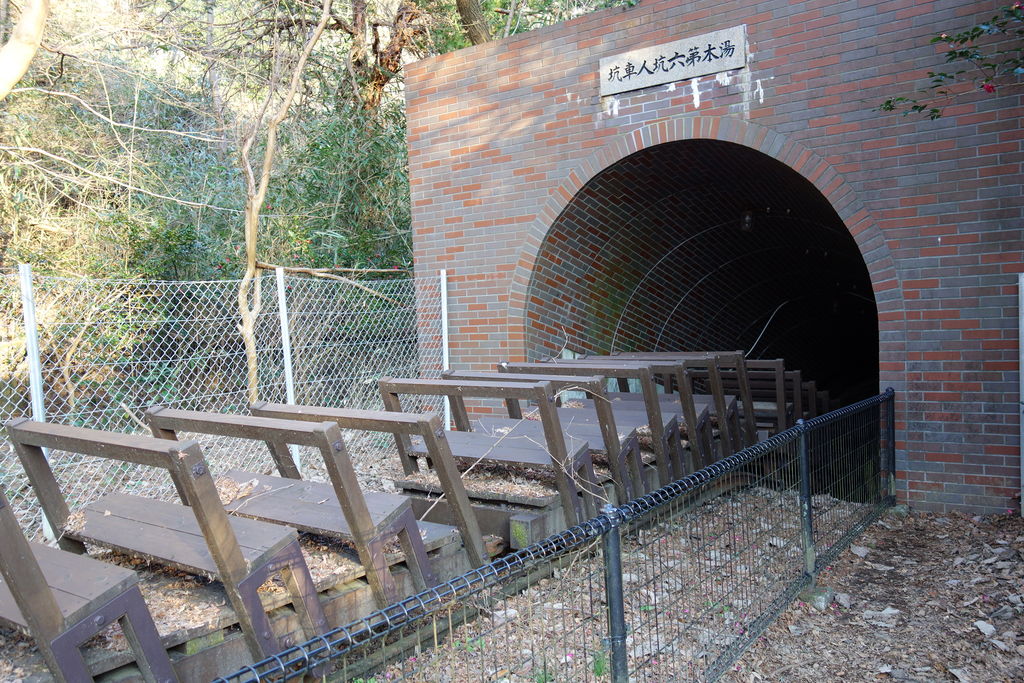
(673, 585)
(109, 349)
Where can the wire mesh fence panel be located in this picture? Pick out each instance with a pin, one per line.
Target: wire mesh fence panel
(125, 346)
(702, 569)
(706, 563)
(345, 338)
(14, 397)
(846, 456)
(534, 615)
(429, 312)
(551, 631)
(110, 349)
(737, 542)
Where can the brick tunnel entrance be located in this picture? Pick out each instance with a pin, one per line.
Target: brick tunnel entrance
(705, 244)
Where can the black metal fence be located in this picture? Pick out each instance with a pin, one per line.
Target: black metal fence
(674, 585)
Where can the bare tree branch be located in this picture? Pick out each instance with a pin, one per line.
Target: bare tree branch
(109, 179)
(326, 274)
(106, 119)
(336, 269)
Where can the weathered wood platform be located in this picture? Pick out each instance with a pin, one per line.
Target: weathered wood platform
(518, 520)
(519, 515)
(199, 628)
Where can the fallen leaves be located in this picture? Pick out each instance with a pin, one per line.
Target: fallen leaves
(518, 482)
(230, 490)
(74, 523)
(920, 598)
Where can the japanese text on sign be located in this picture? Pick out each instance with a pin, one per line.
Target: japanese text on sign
(677, 61)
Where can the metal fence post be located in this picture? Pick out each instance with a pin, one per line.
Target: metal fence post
(286, 352)
(611, 546)
(445, 352)
(890, 417)
(806, 510)
(35, 367)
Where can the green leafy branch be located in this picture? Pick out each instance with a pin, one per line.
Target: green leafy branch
(997, 63)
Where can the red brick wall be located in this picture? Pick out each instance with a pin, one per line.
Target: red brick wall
(502, 136)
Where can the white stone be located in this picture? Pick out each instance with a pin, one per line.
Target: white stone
(886, 618)
(986, 628)
(503, 616)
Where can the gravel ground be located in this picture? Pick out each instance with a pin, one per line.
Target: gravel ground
(918, 597)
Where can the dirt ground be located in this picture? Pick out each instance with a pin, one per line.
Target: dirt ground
(918, 597)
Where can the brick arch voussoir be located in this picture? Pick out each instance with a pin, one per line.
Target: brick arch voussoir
(880, 264)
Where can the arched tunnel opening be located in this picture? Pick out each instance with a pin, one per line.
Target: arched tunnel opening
(707, 245)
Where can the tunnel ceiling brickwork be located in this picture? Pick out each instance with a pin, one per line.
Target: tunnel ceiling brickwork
(653, 255)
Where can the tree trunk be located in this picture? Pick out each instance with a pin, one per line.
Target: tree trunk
(387, 60)
(473, 22)
(249, 311)
(256, 194)
(213, 72)
(17, 54)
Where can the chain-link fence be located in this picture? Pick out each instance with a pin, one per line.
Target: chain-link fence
(109, 349)
(673, 585)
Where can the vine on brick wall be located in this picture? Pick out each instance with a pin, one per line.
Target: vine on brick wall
(988, 56)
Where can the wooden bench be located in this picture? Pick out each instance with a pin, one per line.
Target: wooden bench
(795, 392)
(663, 425)
(597, 427)
(802, 397)
(197, 537)
(810, 394)
(767, 380)
(680, 371)
(62, 600)
(573, 471)
(704, 372)
(709, 372)
(667, 380)
(339, 509)
(733, 377)
(428, 430)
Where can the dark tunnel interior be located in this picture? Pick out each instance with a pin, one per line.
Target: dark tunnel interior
(707, 245)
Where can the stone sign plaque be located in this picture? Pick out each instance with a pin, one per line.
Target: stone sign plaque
(676, 61)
